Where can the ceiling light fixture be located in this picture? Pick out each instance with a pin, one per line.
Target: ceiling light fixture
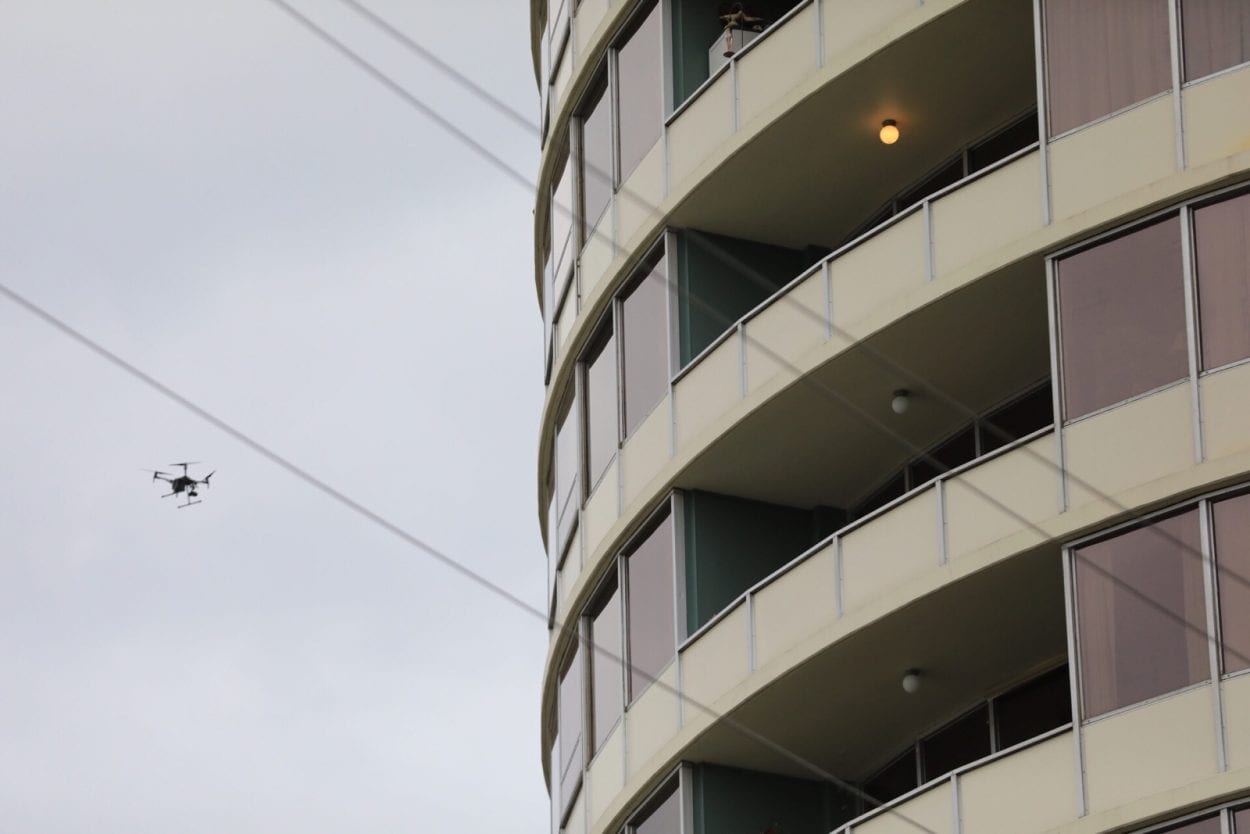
(901, 401)
(911, 681)
(889, 132)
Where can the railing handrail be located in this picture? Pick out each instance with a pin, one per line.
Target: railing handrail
(852, 526)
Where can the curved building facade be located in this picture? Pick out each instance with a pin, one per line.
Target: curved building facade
(894, 467)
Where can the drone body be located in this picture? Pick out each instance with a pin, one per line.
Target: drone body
(183, 484)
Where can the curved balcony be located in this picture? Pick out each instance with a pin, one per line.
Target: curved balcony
(975, 228)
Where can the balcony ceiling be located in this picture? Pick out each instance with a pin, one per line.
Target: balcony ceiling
(846, 711)
(831, 436)
(820, 171)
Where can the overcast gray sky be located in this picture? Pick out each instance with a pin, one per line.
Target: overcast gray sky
(215, 195)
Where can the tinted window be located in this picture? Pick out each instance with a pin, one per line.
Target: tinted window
(1027, 711)
(640, 91)
(950, 173)
(596, 167)
(570, 709)
(562, 224)
(896, 779)
(601, 409)
(1017, 419)
(1222, 247)
(644, 334)
(1207, 825)
(1003, 144)
(652, 635)
(1232, 554)
(954, 452)
(1217, 35)
(607, 685)
(1242, 818)
(1103, 56)
(1122, 318)
(958, 743)
(566, 456)
(1141, 615)
(665, 818)
(892, 489)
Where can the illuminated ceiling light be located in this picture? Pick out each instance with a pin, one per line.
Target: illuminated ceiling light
(911, 681)
(889, 131)
(901, 401)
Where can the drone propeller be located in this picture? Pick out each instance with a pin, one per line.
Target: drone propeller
(185, 464)
(155, 473)
(206, 477)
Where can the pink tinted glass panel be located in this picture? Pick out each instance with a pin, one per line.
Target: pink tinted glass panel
(1222, 248)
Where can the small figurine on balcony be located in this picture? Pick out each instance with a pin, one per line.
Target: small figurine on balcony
(738, 20)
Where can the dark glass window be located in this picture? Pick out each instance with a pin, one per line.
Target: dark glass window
(644, 345)
(1031, 709)
(570, 710)
(1241, 819)
(596, 164)
(949, 174)
(1216, 35)
(894, 780)
(651, 627)
(566, 458)
(562, 225)
(1003, 144)
(1122, 318)
(607, 685)
(1206, 825)
(892, 489)
(640, 93)
(601, 409)
(1103, 56)
(1141, 614)
(954, 452)
(663, 818)
(1222, 247)
(956, 744)
(1232, 555)
(1017, 419)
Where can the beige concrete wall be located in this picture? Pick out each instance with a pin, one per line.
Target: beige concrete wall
(1225, 398)
(890, 550)
(652, 720)
(794, 606)
(988, 213)
(848, 22)
(561, 77)
(932, 810)
(1132, 444)
(708, 390)
(1031, 790)
(597, 255)
(1236, 696)
(1150, 749)
(606, 775)
(567, 576)
(790, 327)
(702, 126)
(577, 816)
(600, 512)
(770, 70)
(566, 315)
(1113, 157)
(589, 15)
(638, 197)
(1217, 120)
(996, 498)
(882, 268)
(713, 664)
(646, 450)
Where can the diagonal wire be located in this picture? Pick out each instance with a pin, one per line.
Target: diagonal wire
(837, 396)
(394, 529)
(754, 276)
(350, 503)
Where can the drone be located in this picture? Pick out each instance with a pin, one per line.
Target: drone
(183, 484)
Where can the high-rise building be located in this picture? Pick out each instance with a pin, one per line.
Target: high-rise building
(894, 469)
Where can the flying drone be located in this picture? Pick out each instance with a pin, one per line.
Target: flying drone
(183, 484)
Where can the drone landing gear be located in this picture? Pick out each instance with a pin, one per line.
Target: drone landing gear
(189, 504)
